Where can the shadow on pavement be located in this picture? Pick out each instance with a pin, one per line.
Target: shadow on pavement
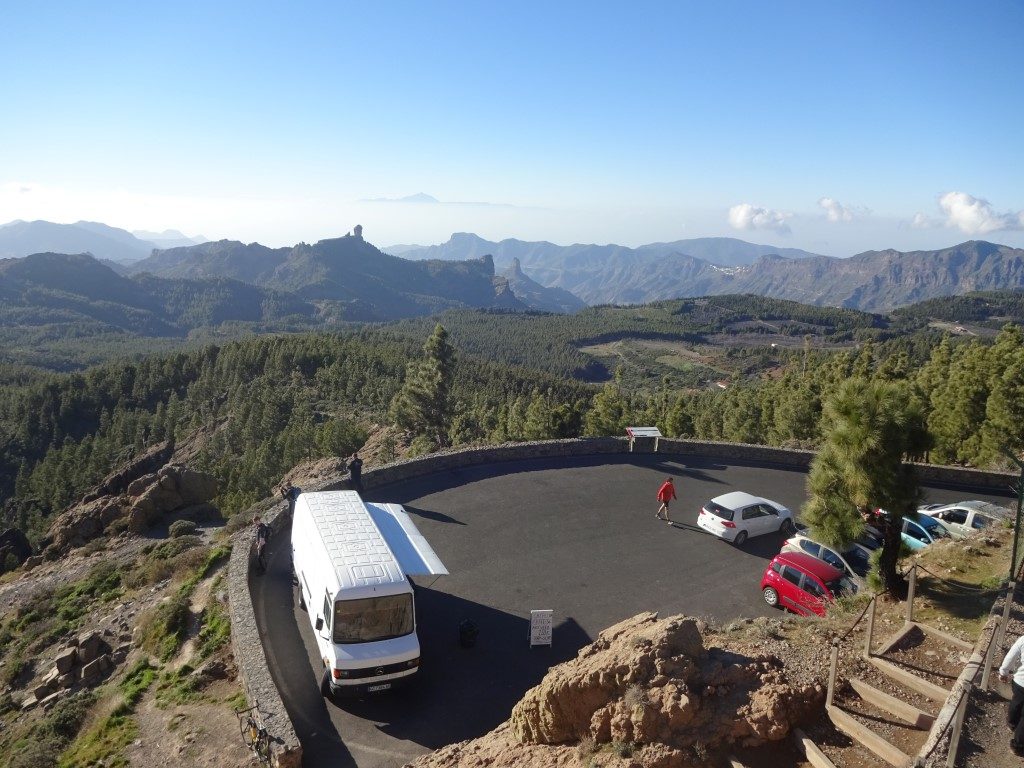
(464, 692)
(430, 514)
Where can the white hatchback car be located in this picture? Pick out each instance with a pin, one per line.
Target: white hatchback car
(738, 515)
(967, 517)
(854, 560)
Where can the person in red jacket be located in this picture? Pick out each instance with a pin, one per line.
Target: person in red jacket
(666, 493)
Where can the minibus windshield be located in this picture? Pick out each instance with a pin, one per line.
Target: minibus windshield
(373, 618)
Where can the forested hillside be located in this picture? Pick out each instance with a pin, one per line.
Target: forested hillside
(254, 409)
(251, 409)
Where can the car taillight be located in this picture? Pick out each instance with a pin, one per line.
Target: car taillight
(340, 673)
(412, 663)
(728, 523)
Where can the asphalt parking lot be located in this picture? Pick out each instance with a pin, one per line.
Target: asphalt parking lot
(577, 536)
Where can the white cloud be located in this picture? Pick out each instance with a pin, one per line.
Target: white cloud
(836, 211)
(975, 215)
(747, 216)
(923, 221)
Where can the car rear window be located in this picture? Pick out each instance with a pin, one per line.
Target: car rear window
(718, 510)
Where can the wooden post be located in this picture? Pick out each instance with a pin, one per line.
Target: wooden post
(1007, 602)
(910, 593)
(832, 673)
(869, 634)
(958, 725)
(988, 658)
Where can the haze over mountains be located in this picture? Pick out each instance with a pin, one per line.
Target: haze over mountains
(23, 238)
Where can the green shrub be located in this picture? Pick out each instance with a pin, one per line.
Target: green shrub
(216, 629)
(163, 628)
(182, 528)
(137, 682)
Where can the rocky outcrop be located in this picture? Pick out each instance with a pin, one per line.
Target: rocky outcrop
(117, 481)
(143, 499)
(85, 662)
(14, 546)
(651, 684)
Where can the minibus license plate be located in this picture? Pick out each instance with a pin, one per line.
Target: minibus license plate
(381, 687)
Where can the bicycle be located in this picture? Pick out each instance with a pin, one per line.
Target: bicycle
(254, 734)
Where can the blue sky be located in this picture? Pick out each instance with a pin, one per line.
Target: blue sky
(832, 127)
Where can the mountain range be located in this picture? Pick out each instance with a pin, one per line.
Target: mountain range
(870, 281)
(179, 290)
(22, 238)
(364, 283)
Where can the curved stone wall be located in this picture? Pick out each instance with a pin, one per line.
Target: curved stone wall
(249, 653)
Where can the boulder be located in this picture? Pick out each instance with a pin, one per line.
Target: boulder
(68, 680)
(66, 659)
(51, 700)
(33, 562)
(89, 645)
(41, 691)
(50, 678)
(118, 481)
(647, 681)
(140, 484)
(29, 702)
(14, 544)
(97, 668)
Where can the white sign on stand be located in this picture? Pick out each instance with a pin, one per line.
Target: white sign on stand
(540, 627)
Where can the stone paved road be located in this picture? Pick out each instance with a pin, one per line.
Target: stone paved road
(574, 535)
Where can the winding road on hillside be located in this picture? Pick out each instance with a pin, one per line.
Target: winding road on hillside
(577, 536)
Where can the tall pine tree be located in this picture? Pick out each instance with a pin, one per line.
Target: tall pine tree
(424, 404)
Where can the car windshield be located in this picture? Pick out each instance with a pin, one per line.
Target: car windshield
(857, 559)
(933, 526)
(373, 618)
(844, 585)
(869, 542)
(718, 510)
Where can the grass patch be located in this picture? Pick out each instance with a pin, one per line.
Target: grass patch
(216, 628)
(137, 682)
(104, 743)
(214, 558)
(177, 687)
(163, 628)
(237, 701)
(167, 560)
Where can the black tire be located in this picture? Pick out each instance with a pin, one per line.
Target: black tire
(788, 528)
(740, 539)
(771, 596)
(302, 599)
(262, 747)
(325, 684)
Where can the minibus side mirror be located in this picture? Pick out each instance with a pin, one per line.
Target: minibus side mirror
(319, 623)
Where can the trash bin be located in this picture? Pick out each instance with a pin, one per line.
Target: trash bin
(468, 630)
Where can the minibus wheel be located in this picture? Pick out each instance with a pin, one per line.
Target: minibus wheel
(325, 684)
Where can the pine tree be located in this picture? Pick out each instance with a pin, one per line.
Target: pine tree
(868, 428)
(424, 404)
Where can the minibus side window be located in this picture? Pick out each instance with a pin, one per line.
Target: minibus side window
(328, 612)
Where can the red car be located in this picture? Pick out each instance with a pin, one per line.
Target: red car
(797, 582)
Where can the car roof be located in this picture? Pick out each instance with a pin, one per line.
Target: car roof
(805, 562)
(984, 507)
(737, 499)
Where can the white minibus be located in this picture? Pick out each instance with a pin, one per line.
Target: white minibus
(352, 562)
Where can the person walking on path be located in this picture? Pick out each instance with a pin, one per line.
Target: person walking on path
(666, 493)
(355, 471)
(1012, 670)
